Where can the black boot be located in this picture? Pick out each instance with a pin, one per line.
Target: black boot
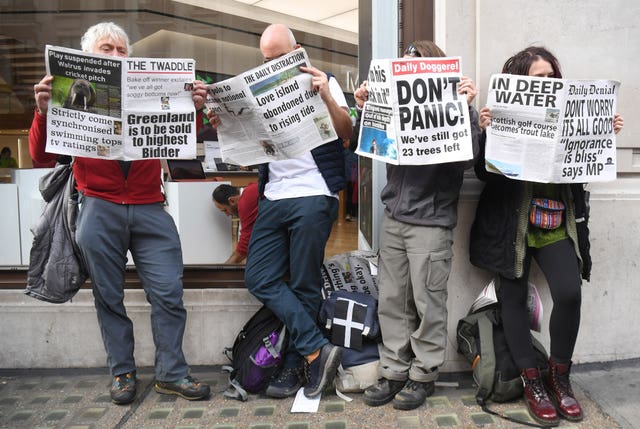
(382, 392)
(413, 394)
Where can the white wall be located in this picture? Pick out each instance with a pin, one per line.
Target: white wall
(9, 225)
(610, 301)
(384, 44)
(205, 232)
(591, 39)
(36, 334)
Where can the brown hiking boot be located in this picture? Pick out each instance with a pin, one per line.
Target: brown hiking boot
(560, 392)
(186, 387)
(535, 395)
(123, 388)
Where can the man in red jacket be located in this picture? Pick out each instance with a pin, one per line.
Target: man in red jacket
(121, 210)
(230, 201)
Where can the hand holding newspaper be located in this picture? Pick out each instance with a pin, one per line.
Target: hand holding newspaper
(414, 115)
(120, 108)
(270, 112)
(534, 304)
(552, 130)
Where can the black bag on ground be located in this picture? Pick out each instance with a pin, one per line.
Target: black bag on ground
(482, 342)
(257, 353)
(350, 320)
(349, 277)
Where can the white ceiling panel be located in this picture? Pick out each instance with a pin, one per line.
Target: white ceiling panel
(336, 19)
(346, 21)
(324, 11)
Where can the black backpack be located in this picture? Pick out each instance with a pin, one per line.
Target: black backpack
(257, 353)
(482, 342)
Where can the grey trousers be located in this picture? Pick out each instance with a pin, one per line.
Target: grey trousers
(105, 232)
(414, 266)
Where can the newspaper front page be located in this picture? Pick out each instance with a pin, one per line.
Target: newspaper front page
(270, 113)
(552, 130)
(414, 114)
(118, 108)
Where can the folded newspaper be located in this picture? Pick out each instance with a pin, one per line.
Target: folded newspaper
(534, 304)
(552, 130)
(270, 113)
(414, 115)
(120, 108)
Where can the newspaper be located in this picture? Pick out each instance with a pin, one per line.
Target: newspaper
(552, 130)
(270, 113)
(414, 114)
(535, 309)
(120, 108)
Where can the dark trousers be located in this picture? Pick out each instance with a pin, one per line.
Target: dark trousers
(559, 264)
(289, 236)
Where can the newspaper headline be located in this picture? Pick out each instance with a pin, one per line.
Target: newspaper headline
(552, 130)
(120, 108)
(414, 114)
(270, 112)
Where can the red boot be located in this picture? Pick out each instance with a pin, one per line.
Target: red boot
(559, 387)
(535, 395)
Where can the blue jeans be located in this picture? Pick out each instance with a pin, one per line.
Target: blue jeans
(105, 231)
(289, 236)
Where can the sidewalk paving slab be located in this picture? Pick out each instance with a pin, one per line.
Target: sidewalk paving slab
(615, 387)
(79, 399)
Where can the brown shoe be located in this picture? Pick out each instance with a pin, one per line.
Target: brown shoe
(186, 387)
(560, 392)
(535, 395)
(123, 388)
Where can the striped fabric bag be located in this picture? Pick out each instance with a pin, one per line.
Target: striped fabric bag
(546, 213)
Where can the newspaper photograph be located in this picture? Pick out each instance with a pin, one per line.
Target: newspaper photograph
(119, 108)
(270, 113)
(552, 130)
(414, 114)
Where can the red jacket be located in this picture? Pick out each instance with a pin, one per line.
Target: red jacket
(247, 214)
(104, 178)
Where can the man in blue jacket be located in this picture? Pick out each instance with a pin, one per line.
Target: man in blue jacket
(298, 205)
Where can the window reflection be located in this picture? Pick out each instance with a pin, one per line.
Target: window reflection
(224, 43)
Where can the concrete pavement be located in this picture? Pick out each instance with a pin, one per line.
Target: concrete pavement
(79, 399)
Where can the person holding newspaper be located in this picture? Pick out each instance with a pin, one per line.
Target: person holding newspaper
(505, 237)
(121, 210)
(297, 208)
(414, 264)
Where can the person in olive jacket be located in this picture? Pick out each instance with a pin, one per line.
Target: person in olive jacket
(505, 238)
